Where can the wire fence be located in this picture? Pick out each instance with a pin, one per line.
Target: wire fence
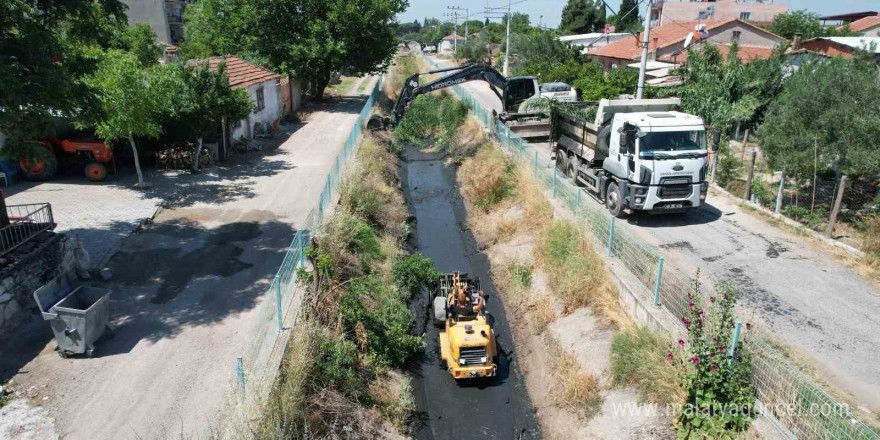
(792, 400)
(256, 368)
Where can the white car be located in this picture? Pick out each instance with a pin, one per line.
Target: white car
(558, 91)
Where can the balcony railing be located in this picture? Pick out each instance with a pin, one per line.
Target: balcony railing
(25, 222)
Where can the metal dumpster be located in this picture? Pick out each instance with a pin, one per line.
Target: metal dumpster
(78, 317)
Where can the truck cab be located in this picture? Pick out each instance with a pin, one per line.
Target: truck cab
(661, 157)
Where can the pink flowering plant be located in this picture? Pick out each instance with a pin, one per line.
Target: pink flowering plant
(720, 398)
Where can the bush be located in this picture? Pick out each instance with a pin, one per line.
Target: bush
(763, 195)
(337, 366)
(720, 399)
(729, 166)
(413, 273)
(870, 226)
(432, 117)
(638, 359)
(380, 321)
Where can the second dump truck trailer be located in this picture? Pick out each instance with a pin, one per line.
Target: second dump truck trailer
(639, 155)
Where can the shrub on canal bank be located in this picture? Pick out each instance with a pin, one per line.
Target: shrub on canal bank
(639, 359)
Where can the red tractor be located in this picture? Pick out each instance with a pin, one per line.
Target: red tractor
(53, 153)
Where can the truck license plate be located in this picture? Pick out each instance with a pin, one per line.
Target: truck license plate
(675, 206)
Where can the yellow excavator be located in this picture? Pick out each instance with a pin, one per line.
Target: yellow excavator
(467, 344)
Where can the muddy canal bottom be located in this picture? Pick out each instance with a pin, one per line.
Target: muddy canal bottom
(497, 408)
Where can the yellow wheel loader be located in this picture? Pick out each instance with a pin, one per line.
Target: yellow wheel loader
(467, 344)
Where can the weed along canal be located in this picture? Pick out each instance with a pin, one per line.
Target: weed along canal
(490, 408)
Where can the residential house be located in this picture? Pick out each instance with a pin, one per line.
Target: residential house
(588, 42)
(448, 43)
(847, 18)
(760, 11)
(667, 42)
(263, 87)
(866, 26)
(165, 17)
(841, 46)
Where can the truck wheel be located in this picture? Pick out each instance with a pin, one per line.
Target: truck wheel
(44, 165)
(613, 200)
(96, 172)
(561, 162)
(573, 165)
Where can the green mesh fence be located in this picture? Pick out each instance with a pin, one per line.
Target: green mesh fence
(256, 367)
(792, 400)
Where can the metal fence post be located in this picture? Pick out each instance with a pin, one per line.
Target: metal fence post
(657, 284)
(554, 181)
(536, 162)
(611, 237)
(239, 372)
(278, 303)
(734, 341)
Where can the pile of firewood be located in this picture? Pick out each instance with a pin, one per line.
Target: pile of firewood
(179, 156)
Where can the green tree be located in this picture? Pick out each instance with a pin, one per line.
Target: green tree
(628, 16)
(217, 27)
(139, 39)
(804, 22)
(130, 98)
(45, 52)
(723, 91)
(832, 106)
(201, 97)
(583, 16)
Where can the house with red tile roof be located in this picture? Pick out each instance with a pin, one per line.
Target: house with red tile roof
(866, 26)
(263, 87)
(667, 42)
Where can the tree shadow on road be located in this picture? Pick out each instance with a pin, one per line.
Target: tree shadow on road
(167, 278)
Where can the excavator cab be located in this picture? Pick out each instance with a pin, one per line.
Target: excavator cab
(519, 89)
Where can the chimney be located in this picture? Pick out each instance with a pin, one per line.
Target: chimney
(796, 42)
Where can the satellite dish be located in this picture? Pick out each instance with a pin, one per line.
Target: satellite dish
(689, 39)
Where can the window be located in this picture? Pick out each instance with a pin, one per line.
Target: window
(261, 100)
(745, 15)
(736, 35)
(674, 141)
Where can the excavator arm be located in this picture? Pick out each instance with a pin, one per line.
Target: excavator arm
(412, 89)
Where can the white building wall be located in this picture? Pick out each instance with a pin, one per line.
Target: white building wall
(270, 113)
(151, 12)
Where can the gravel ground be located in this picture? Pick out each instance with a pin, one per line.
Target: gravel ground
(186, 292)
(791, 289)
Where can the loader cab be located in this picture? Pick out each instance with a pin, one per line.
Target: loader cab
(519, 88)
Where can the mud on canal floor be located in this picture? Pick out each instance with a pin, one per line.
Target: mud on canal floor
(498, 408)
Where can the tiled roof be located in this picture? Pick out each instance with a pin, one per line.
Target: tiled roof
(863, 24)
(744, 53)
(662, 36)
(240, 72)
(453, 37)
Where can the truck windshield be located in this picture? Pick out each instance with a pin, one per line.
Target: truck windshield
(674, 141)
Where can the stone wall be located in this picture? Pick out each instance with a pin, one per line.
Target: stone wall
(28, 268)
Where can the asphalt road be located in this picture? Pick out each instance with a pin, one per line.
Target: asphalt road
(793, 291)
(498, 408)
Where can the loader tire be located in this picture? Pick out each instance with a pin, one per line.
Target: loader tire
(439, 309)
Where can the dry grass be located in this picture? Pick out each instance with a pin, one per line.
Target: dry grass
(577, 274)
(393, 395)
(467, 141)
(542, 313)
(487, 179)
(578, 389)
(638, 359)
(371, 190)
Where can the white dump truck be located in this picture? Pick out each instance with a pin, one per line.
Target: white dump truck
(637, 155)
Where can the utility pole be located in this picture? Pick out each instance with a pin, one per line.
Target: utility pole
(455, 9)
(505, 12)
(454, 15)
(646, 38)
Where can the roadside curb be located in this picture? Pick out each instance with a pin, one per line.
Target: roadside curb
(790, 222)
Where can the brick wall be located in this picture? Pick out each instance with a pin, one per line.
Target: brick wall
(28, 268)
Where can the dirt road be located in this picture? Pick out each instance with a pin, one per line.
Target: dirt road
(186, 291)
(791, 289)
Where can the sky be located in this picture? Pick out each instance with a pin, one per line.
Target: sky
(552, 9)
